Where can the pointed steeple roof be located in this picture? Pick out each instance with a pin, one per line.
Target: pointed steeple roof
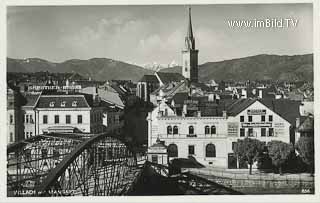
(189, 39)
(190, 33)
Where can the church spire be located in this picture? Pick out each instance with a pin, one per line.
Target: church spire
(189, 40)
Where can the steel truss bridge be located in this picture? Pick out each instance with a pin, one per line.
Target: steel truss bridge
(84, 165)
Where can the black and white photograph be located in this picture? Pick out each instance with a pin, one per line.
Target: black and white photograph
(162, 100)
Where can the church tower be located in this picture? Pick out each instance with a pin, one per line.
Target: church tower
(190, 55)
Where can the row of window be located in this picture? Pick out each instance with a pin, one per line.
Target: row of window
(263, 118)
(28, 118)
(63, 104)
(28, 135)
(251, 134)
(207, 130)
(210, 150)
(57, 119)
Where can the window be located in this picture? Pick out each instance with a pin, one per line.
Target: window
(27, 118)
(250, 132)
(11, 137)
(213, 130)
(74, 103)
(30, 134)
(242, 132)
(27, 135)
(270, 118)
(173, 150)
(263, 132)
(45, 119)
(210, 150)
(191, 149)
(68, 119)
(175, 130)
(51, 104)
(191, 130)
(270, 132)
(169, 130)
(11, 118)
(79, 118)
(56, 119)
(31, 119)
(263, 118)
(63, 103)
(241, 118)
(154, 159)
(206, 130)
(250, 118)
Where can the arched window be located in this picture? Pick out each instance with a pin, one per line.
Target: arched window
(175, 130)
(210, 150)
(191, 130)
(169, 130)
(206, 130)
(173, 150)
(213, 130)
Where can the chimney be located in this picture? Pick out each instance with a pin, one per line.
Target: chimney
(224, 114)
(260, 94)
(198, 113)
(297, 122)
(184, 110)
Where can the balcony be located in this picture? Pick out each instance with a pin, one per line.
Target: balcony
(191, 135)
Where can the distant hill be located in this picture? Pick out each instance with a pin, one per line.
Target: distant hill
(264, 67)
(273, 67)
(96, 68)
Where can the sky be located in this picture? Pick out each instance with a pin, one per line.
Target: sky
(154, 33)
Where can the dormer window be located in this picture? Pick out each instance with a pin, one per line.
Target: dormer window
(74, 103)
(63, 103)
(51, 104)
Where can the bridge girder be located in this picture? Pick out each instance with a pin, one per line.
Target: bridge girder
(59, 165)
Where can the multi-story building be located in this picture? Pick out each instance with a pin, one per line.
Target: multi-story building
(146, 85)
(207, 131)
(68, 113)
(28, 113)
(14, 116)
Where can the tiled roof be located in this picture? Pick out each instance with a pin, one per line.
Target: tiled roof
(287, 109)
(106, 95)
(307, 125)
(149, 78)
(169, 77)
(68, 100)
(238, 106)
(31, 100)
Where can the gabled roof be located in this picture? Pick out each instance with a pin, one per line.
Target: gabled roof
(239, 105)
(45, 100)
(31, 100)
(166, 78)
(108, 95)
(149, 78)
(286, 108)
(307, 125)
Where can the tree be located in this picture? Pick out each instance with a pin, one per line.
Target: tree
(305, 148)
(248, 150)
(279, 153)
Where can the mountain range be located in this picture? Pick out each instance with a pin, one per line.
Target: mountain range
(263, 67)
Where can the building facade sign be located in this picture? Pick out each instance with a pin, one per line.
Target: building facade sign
(233, 129)
(256, 125)
(256, 112)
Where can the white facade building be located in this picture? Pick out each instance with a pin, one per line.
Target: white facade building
(209, 139)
